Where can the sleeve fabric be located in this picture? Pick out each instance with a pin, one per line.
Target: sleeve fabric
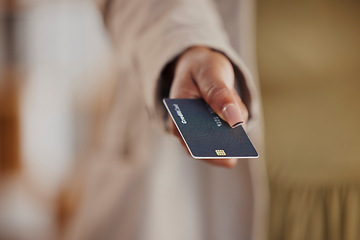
(149, 34)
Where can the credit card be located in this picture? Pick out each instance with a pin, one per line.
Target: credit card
(205, 134)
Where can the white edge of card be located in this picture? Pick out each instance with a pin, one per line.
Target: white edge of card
(225, 157)
(167, 108)
(192, 155)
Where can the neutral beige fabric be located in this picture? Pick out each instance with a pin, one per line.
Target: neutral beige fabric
(139, 182)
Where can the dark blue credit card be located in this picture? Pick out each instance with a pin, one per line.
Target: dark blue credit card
(206, 135)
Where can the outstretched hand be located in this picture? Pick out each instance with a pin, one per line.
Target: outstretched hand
(203, 73)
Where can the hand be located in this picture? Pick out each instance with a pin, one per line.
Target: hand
(203, 73)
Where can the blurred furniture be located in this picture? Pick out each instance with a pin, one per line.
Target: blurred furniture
(49, 50)
(9, 88)
(309, 56)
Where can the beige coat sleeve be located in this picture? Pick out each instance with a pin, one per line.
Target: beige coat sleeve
(150, 33)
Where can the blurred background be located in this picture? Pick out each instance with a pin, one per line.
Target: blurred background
(54, 58)
(308, 55)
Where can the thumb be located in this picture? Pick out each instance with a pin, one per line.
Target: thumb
(215, 81)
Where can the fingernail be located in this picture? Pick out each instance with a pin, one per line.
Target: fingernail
(232, 115)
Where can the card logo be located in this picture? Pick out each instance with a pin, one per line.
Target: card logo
(179, 113)
(220, 152)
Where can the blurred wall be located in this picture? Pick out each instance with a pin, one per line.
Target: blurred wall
(309, 55)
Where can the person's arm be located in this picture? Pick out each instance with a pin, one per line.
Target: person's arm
(153, 33)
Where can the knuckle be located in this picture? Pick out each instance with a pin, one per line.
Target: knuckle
(203, 71)
(216, 93)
